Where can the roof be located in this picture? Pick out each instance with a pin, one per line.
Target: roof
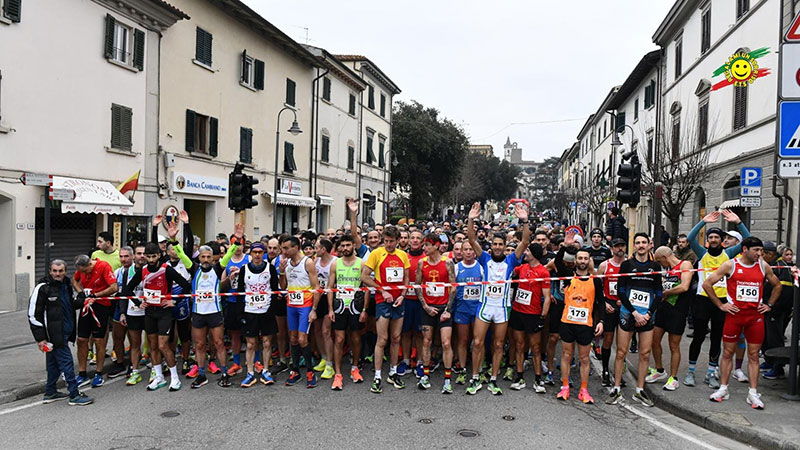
(585, 126)
(373, 69)
(339, 69)
(675, 18)
(171, 8)
(639, 73)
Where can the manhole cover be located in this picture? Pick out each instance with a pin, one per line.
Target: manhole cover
(509, 418)
(468, 433)
(426, 421)
(170, 414)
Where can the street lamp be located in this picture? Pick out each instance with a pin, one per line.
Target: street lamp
(295, 130)
(387, 184)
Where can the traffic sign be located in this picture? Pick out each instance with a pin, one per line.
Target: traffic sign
(36, 179)
(62, 194)
(790, 71)
(789, 123)
(750, 202)
(789, 168)
(750, 181)
(794, 30)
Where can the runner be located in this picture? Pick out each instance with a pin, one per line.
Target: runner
(322, 327)
(437, 303)
(181, 312)
(346, 309)
(233, 306)
(530, 307)
(609, 268)
(564, 269)
(118, 330)
(670, 315)
(412, 321)
(132, 316)
(390, 266)
(495, 300)
(468, 300)
(745, 308)
(597, 250)
(282, 336)
(640, 296)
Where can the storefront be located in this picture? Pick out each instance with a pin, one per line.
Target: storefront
(291, 206)
(204, 199)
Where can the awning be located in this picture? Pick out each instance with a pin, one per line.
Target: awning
(728, 204)
(91, 196)
(325, 200)
(293, 200)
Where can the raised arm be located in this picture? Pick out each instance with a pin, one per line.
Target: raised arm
(732, 217)
(472, 237)
(522, 215)
(698, 249)
(352, 212)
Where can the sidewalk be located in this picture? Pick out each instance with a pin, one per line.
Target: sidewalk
(777, 426)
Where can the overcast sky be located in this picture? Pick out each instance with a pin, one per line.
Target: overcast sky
(493, 67)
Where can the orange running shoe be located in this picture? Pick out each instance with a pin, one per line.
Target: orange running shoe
(213, 368)
(584, 396)
(337, 382)
(234, 369)
(563, 394)
(259, 367)
(355, 375)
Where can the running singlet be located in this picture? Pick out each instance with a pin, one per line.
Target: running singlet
(435, 294)
(297, 278)
(98, 280)
(205, 286)
(347, 277)
(745, 285)
(414, 260)
(155, 286)
(181, 269)
(389, 269)
(610, 283)
(469, 273)
(528, 299)
(323, 272)
(123, 275)
(234, 282)
(257, 301)
(713, 263)
(579, 298)
(497, 294)
(669, 281)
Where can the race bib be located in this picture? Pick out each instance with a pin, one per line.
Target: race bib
(578, 315)
(152, 296)
(612, 288)
(346, 297)
(495, 291)
(639, 298)
(472, 293)
(523, 297)
(394, 274)
(721, 284)
(296, 298)
(748, 294)
(434, 290)
(256, 300)
(205, 296)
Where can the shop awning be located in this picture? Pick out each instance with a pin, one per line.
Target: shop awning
(293, 200)
(92, 196)
(728, 204)
(325, 200)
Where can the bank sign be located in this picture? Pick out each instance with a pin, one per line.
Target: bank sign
(187, 183)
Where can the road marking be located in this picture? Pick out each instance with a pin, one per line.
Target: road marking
(38, 401)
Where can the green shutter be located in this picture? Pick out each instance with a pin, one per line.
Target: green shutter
(126, 125)
(370, 152)
(290, 88)
(13, 10)
(203, 46)
(371, 99)
(381, 156)
(213, 129)
(115, 126)
(326, 88)
(191, 127)
(352, 109)
(246, 145)
(108, 52)
(351, 157)
(326, 148)
(289, 164)
(620, 122)
(138, 49)
(258, 83)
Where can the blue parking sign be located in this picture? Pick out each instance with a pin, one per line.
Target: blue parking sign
(751, 177)
(790, 130)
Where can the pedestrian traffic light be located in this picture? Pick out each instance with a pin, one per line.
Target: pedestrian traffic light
(629, 181)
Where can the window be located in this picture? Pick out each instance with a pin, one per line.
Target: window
(705, 31)
(678, 57)
(252, 72)
(290, 87)
(605, 130)
(742, 7)
(288, 158)
(650, 94)
(246, 145)
(370, 152)
(650, 144)
(202, 52)
(621, 122)
(123, 44)
(352, 108)
(12, 10)
(326, 148)
(371, 101)
(351, 156)
(383, 105)
(381, 150)
(676, 135)
(121, 124)
(326, 89)
(636, 109)
(702, 125)
(739, 107)
(201, 133)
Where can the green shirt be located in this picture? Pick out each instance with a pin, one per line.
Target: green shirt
(111, 258)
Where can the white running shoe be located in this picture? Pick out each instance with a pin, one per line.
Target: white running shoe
(720, 394)
(754, 400)
(740, 376)
(655, 376)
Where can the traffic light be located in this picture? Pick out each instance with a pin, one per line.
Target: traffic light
(630, 181)
(249, 192)
(241, 190)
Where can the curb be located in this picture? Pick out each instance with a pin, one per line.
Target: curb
(755, 436)
(34, 389)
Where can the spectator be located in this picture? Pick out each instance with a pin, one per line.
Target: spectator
(106, 251)
(665, 237)
(616, 226)
(683, 250)
(53, 327)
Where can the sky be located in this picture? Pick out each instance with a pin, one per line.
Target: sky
(529, 70)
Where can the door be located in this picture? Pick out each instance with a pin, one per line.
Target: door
(72, 234)
(197, 218)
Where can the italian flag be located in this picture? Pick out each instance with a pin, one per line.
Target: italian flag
(131, 184)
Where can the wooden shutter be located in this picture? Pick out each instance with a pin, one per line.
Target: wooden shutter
(258, 74)
(290, 88)
(620, 122)
(191, 129)
(108, 51)
(213, 129)
(739, 107)
(371, 99)
(246, 145)
(326, 88)
(383, 105)
(352, 109)
(326, 148)
(381, 156)
(115, 126)
(289, 164)
(351, 157)
(126, 122)
(138, 49)
(370, 152)
(243, 74)
(13, 10)
(203, 46)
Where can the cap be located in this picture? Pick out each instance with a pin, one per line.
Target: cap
(443, 238)
(162, 238)
(770, 246)
(222, 236)
(579, 240)
(618, 241)
(715, 230)
(734, 234)
(537, 251)
(597, 231)
(257, 246)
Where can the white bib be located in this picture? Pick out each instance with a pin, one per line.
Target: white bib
(394, 274)
(296, 298)
(472, 293)
(523, 297)
(153, 296)
(434, 290)
(612, 287)
(748, 294)
(576, 314)
(639, 298)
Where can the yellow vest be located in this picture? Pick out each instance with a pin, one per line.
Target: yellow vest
(712, 262)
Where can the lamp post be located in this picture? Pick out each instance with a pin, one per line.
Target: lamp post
(295, 130)
(387, 184)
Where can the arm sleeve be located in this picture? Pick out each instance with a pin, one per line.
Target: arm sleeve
(240, 287)
(228, 255)
(559, 261)
(175, 277)
(182, 256)
(188, 237)
(154, 235)
(693, 242)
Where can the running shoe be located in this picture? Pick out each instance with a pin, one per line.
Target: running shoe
(199, 382)
(402, 369)
(774, 373)
(97, 380)
(539, 388)
(615, 397)
(117, 370)
(376, 386)
(92, 358)
(185, 367)
(563, 394)
(175, 384)
(584, 396)
(509, 374)
(765, 366)
(518, 385)
(720, 394)
(213, 368)
(152, 376)
(134, 378)
(311, 379)
(80, 400)
(234, 369)
(266, 378)
(369, 359)
(607, 380)
(549, 380)
(643, 398)
(337, 382)
(259, 366)
(396, 381)
(754, 400)
(474, 386)
(740, 376)
(294, 378)
(193, 372)
(688, 380)
(249, 380)
(461, 378)
(655, 376)
(224, 381)
(54, 397)
(83, 381)
(355, 375)
(447, 388)
(494, 388)
(713, 380)
(423, 383)
(671, 384)
(157, 383)
(328, 373)
(419, 372)
(321, 365)
(279, 367)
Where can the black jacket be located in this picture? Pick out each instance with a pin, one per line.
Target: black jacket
(616, 228)
(46, 313)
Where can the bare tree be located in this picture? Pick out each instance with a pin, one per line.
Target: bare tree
(595, 196)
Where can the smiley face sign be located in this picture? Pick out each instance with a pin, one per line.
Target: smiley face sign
(741, 69)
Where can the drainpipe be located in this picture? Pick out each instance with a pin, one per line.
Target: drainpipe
(776, 195)
(789, 213)
(312, 157)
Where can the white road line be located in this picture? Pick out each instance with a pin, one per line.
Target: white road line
(38, 401)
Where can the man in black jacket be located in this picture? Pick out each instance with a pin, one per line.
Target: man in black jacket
(616, 225)
(51, 314)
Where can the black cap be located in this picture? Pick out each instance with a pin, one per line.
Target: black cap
(618, 241)
(715, 230)
(596, 231)
(770, 246)
(537, 251)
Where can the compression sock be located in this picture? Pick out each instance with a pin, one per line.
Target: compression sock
(295, 350)
(605, 356)
(307, 355)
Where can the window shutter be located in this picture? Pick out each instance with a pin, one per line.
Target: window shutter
(191, 129)
(246, 145)
(258, 83)
(352, 109)
(138, 49)
(381, 157)
(289, 164)
(370, 152)
(126, 125)
(213, 128)
(620, 122)
(326, 148)
(203, 46)
(290, 85)
(109, 44)
(115, 127)
(351, 157)
(326, 88)
(371, 99)
(13, 10)
(250, 145)
(383, 105)
(243, 73)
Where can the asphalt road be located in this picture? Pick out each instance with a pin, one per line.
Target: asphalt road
(279, 416)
